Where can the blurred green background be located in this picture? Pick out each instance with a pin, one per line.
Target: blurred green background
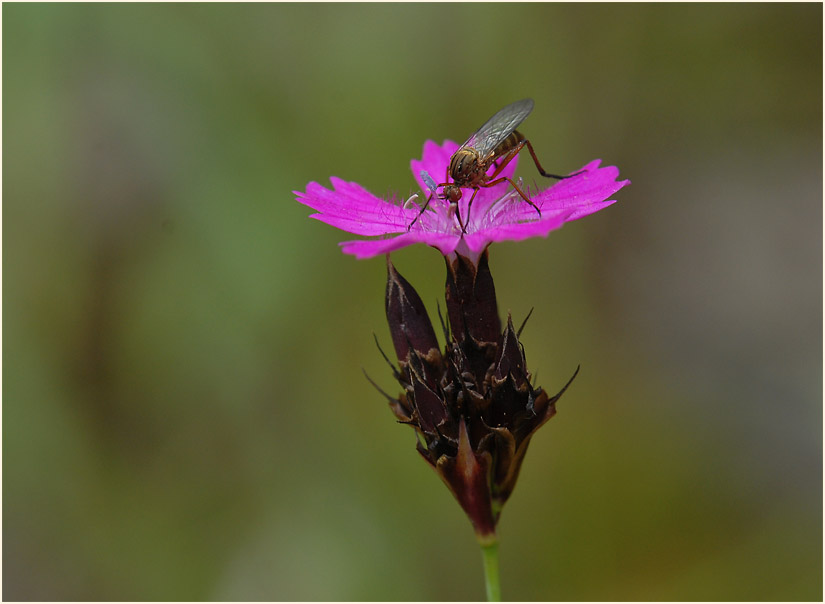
(185, 414)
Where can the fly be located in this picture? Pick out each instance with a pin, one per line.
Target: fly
(496, 143)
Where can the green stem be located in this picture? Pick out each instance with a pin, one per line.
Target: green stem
(489, 552)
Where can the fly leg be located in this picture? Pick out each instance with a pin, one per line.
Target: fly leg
(504, 161)
(424, 207)
(493, 183)
(508, 158)
(538, 165)
(492, 180)
(469, 204)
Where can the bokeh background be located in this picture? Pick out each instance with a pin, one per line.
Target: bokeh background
(184, 410)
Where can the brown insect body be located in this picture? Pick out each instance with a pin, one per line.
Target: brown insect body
(468, 168)
(497, 142)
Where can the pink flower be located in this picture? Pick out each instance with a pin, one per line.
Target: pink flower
(498, 213)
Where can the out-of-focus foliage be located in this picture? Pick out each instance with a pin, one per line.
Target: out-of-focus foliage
(184, 413)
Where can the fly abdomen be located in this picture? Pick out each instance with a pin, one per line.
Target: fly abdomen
(509, 143)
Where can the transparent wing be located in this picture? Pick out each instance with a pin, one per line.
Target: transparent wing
(499, 127)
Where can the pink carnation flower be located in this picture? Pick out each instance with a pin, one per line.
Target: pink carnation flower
(498, 213)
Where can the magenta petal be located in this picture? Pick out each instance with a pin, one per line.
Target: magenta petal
(480, 239)
(446, 244)
(592, 208)
(352, 208)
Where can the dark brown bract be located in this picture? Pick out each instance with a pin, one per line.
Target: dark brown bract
(473, 406)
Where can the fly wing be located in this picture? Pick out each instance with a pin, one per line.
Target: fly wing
(499, 127)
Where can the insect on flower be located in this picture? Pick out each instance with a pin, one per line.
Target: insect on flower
(496, 143)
